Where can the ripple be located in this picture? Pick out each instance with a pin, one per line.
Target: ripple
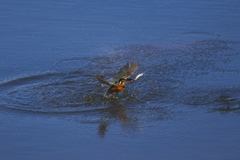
(221, 99)
(11, 131)
(227, 100)
(71, 63)
(160, 125)
(197, 97)
(49, 93)
(159, 89)
(24, 80)
(72, 91)
(210, 127)
(191, 37)
(133, 119)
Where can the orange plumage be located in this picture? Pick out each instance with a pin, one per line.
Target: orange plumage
(121, 77)
(118, 88)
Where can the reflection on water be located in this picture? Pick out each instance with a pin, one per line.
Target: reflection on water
(186, 106)
(114, 112)
(162, 108)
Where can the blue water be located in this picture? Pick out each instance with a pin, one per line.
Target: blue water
(186, 106)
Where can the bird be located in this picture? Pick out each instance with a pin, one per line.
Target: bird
(121, 77)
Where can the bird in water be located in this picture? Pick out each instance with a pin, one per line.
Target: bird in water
(121, 77)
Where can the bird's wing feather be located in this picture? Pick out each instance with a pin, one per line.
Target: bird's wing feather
(100, 78)
(126, 71)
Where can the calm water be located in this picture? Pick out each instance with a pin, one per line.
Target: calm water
(186, 106)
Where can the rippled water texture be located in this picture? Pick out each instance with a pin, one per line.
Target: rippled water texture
(192, 74)
(190, 77)
(185, 106)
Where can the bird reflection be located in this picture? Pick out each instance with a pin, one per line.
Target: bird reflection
(102, 129)
(115, 111)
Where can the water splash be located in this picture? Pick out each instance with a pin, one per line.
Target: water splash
(182, 75)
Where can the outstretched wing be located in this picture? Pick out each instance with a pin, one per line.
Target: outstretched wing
(100, 78)
(126, 71)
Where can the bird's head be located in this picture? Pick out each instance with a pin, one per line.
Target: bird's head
(122, 80)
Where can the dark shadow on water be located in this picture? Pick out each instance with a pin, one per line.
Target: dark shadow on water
(227, 104)
(227, 109)
(114, 112)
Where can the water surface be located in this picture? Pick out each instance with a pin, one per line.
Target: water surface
(186, 106)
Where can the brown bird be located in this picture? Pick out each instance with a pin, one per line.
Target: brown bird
(121, 77)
